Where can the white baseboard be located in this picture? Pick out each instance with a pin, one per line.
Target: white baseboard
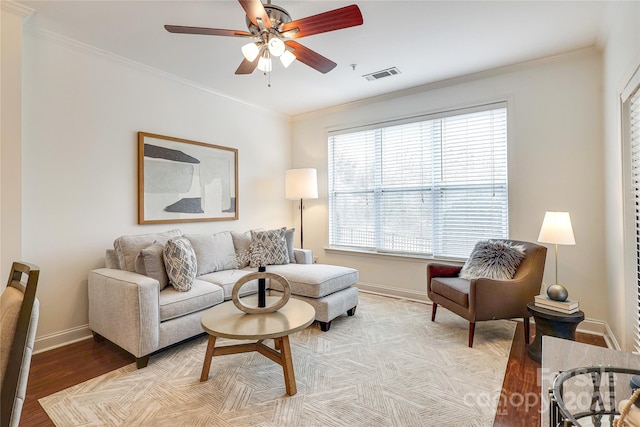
(389, 291)
(62, 338)
(588, 326)
(69, 336)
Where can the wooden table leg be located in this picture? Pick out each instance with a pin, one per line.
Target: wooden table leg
(207, 358)
(287, 365)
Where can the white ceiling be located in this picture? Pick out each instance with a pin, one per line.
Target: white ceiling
(428, 41)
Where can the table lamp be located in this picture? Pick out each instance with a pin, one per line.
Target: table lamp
(301, 184)
(556, 228)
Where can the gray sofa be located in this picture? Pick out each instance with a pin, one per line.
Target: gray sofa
(133, 304)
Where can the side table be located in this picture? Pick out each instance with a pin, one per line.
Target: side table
(552, 323)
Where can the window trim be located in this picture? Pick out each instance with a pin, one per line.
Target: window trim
(631, 264)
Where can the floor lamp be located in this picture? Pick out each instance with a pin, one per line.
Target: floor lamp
(556, 228)
(301, 184)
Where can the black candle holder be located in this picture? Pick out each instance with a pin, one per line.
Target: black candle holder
(262, 288)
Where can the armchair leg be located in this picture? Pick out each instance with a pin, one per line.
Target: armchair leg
(434, 307)
(472, 329)
(527, 330)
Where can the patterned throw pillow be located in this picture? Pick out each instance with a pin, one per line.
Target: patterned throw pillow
(493, 259)
(180, 262)
(269, 247)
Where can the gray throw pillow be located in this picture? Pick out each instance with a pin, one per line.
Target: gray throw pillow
(288, 236)
(269, 247)
(242, 246)
(181, 264)
(493, 259)
(150, 262)
(128, 247)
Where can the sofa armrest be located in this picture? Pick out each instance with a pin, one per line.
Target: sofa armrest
(303, 256)
(438, 269)
(124, 308)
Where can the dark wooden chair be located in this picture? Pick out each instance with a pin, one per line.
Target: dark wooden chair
(488, 299)
(19, 320)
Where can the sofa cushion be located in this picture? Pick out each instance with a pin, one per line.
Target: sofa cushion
(452, 288)
(128, 247)
(228, 278)
(314, 280)
(202, 295)
(150, 262)
(493, 259)
(180, 261)
(214, 252)
(269, 247)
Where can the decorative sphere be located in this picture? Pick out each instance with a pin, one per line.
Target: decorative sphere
(557, 292)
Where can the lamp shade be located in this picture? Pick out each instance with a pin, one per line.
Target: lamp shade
(287, 58)
(301, 184)
(556, 228)
(276, 46)
(264, 64)
(250, 51)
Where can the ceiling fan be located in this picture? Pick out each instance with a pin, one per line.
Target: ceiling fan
(273, 32)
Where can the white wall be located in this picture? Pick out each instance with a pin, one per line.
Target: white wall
(555, 152)
(82, 110)
(622, 57)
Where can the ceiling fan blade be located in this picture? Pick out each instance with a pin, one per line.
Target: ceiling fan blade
(311, 58)
(206, 31)
(247, 67)
(255, 9)
(337, 19)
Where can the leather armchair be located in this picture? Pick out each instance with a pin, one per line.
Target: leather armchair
(487, 299)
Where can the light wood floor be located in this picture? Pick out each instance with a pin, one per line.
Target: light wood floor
(58, 369)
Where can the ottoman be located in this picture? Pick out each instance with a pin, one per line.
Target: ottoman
(328, 288)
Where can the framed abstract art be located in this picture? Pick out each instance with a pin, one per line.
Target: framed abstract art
(184, 181)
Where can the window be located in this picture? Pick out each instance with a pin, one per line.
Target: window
(433, 186)
(631, 119)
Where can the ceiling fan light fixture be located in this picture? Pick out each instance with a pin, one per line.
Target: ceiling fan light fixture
(287, 58)
(276, 46)
(250, 51)
(264, 64)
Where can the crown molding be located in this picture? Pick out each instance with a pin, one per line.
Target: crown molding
(16, 8)
(450, 82)
(84, 47)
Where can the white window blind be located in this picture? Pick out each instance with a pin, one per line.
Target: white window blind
(634, 139)
(434, 186)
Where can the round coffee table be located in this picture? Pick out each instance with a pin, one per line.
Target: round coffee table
(227, 321)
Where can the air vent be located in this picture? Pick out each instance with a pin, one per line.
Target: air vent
(382, 73)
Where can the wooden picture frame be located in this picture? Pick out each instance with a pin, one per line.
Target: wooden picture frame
(185, 181)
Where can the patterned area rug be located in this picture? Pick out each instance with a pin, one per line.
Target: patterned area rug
(389, 365)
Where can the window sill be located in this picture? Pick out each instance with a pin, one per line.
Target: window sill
(389, 255)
